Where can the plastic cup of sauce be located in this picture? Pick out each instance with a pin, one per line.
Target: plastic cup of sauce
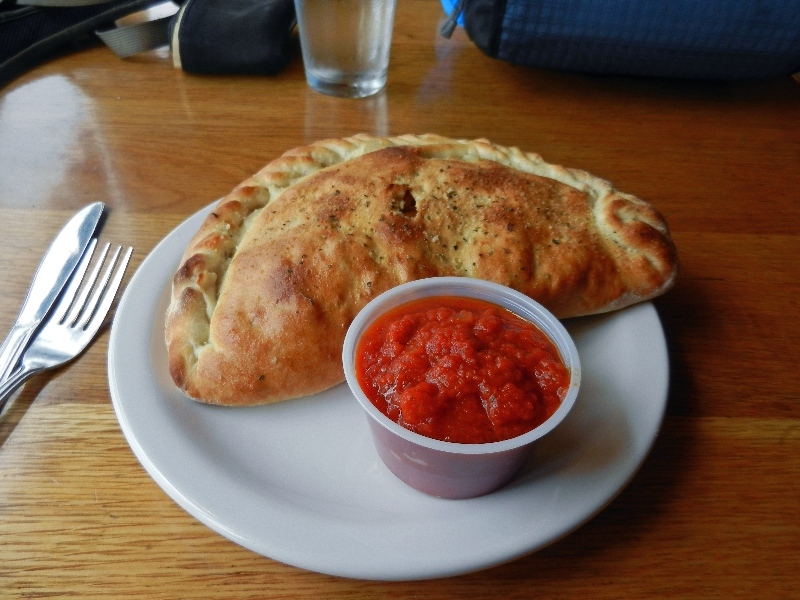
(427, 458)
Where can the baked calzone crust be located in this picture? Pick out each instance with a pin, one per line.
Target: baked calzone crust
(267, 287)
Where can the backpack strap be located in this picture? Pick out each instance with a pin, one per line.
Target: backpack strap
(33, 31)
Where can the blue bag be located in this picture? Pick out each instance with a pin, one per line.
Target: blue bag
(708, 39)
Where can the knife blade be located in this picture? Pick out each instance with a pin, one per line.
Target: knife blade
(53, 273)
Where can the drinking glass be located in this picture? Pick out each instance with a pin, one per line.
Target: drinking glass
(345, 44)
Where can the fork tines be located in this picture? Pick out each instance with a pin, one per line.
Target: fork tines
(78, 308)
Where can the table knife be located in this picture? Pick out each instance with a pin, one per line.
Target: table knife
(53, 273)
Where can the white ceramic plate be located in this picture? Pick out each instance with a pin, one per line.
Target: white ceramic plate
(300, 481)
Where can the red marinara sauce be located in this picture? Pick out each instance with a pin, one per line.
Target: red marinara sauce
(460, 370)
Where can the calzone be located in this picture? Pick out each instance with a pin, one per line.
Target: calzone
(267, 287)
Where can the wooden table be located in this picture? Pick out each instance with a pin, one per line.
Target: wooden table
(713, 512)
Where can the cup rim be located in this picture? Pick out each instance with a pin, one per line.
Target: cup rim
(501, 295)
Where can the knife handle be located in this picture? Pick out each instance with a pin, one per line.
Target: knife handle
(13, 348)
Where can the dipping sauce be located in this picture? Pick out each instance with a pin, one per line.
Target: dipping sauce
(460, 370)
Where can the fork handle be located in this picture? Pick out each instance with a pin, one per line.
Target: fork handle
(12, 383)
(13, 347)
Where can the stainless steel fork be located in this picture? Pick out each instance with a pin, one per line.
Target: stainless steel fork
(75, 319)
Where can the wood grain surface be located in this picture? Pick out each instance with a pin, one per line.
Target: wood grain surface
(712, 513)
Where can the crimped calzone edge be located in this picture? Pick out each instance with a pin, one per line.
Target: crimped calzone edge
(267, 287)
